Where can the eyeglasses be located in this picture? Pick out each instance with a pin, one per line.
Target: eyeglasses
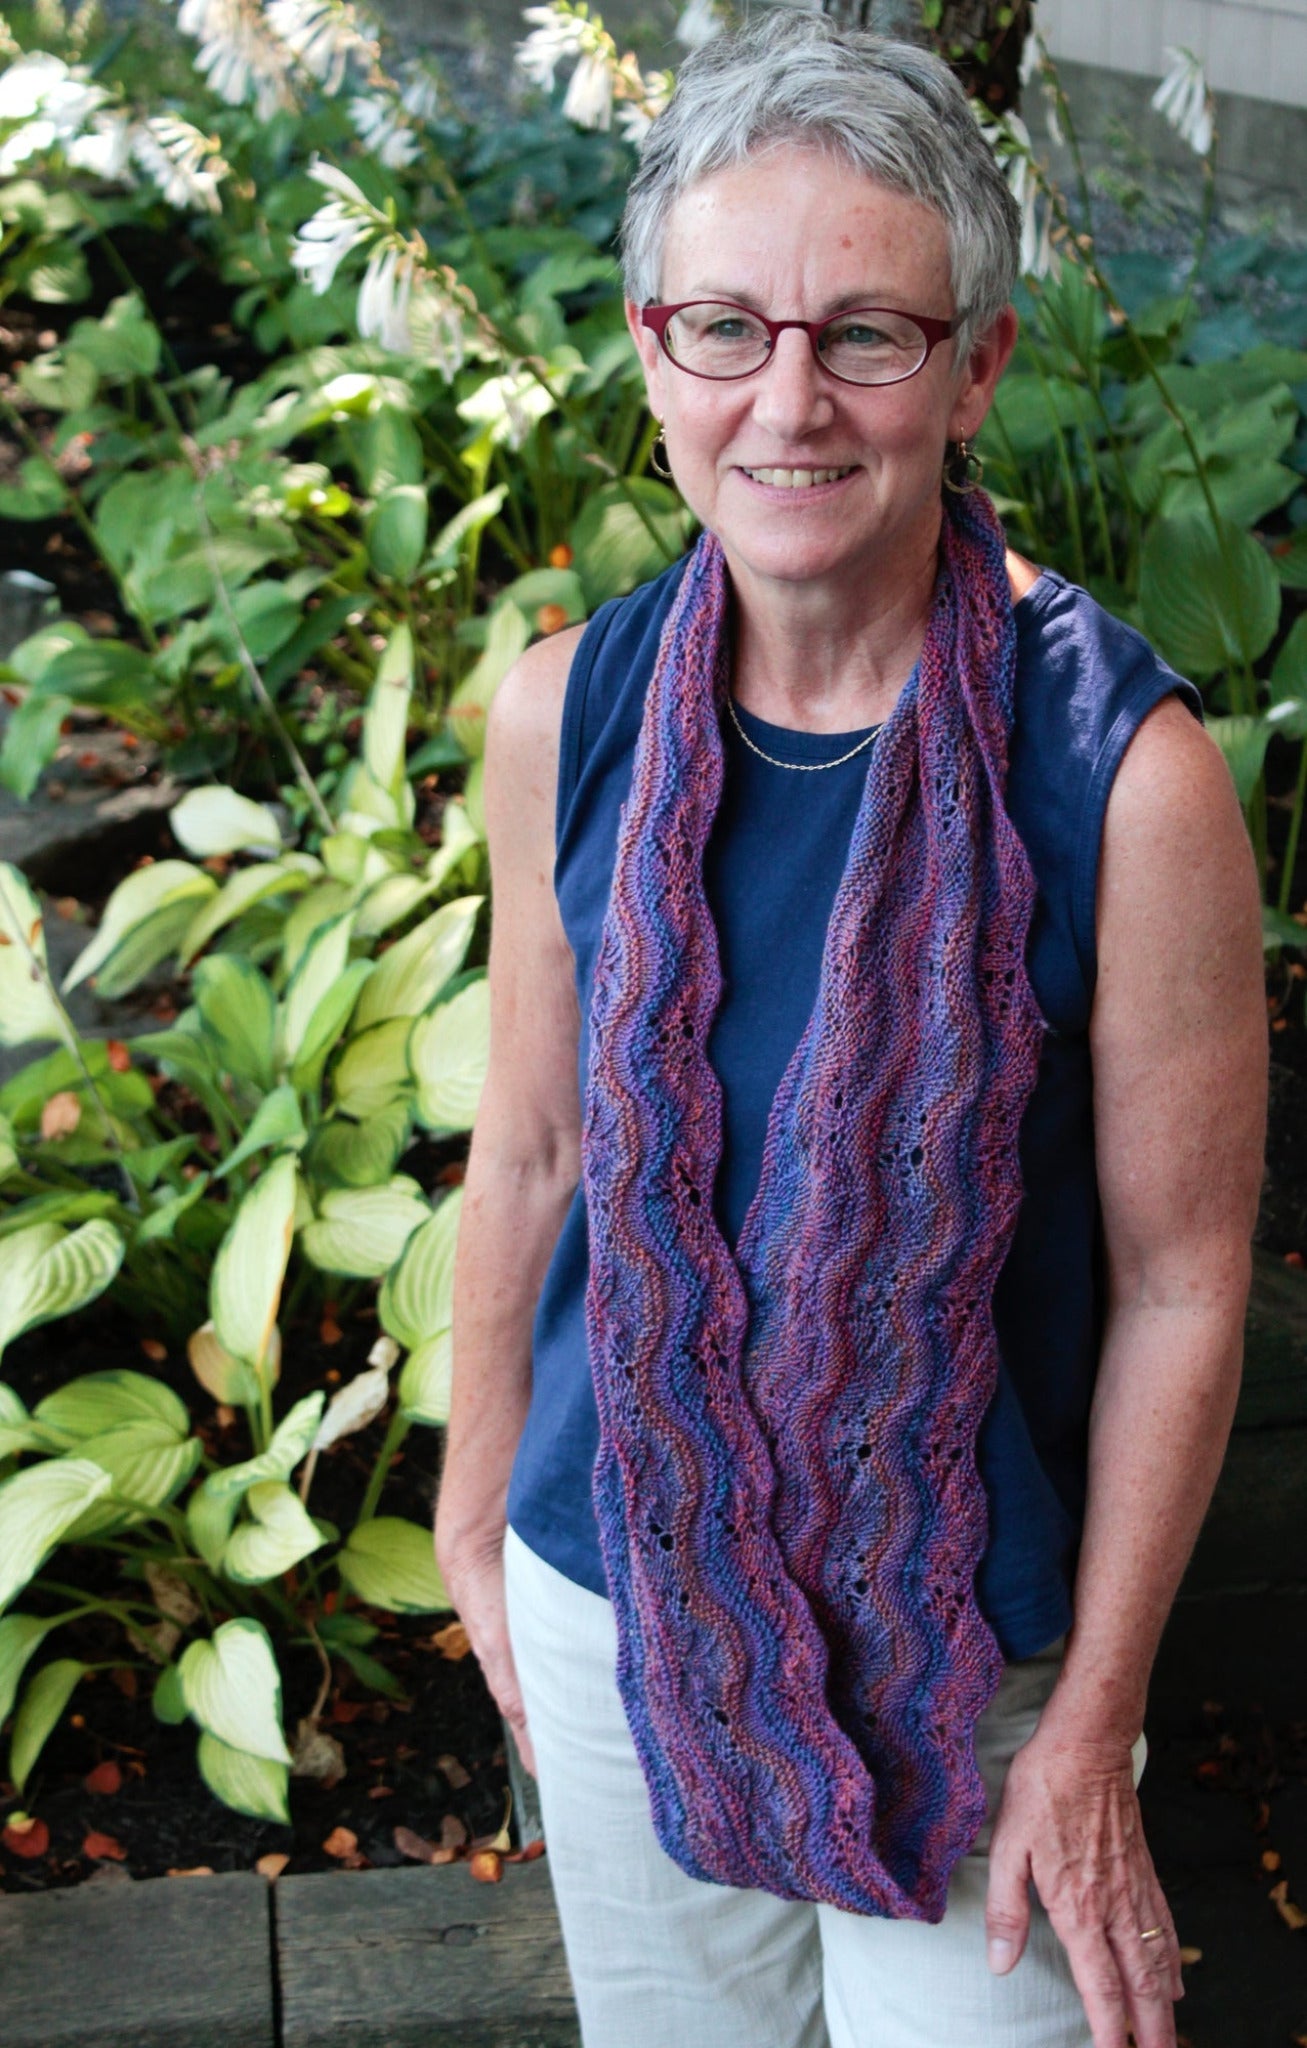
(867, 345)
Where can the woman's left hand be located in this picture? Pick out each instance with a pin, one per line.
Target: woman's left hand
(1069, 1818)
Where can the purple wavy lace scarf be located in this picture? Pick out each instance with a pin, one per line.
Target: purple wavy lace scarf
(789, 1506)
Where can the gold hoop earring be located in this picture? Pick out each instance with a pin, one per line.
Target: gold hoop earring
(963, 469)
(663, 469)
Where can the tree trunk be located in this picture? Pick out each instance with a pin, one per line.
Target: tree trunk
(980, 40)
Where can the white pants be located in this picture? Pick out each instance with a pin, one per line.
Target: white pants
(661, 1960)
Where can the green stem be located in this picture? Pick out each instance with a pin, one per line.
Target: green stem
(1295, 827)
(396, 1431)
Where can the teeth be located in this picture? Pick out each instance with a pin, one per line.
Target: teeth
(796, 479)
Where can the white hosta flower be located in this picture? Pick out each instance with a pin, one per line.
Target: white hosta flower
(106, 149)
(180, 160)
(636, 116)
(324, 36)
(237, 55)
(51, 101)
(589, 100)
(421, 95)
(385, 296)
(556, 36)
(437, 325)
(1184, 98)
(1009, 138)
(509, 405)
(381, 126)
(323, 242)
(698, 24)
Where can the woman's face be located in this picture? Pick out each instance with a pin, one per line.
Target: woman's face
(797, 235)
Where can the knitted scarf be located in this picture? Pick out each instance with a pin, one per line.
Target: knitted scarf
(789, 1506)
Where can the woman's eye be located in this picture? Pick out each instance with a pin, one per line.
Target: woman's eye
(727, 330)
(859, 335)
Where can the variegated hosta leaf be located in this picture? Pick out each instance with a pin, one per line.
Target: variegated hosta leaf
(18, 1432)
(449, 1053)
(147, 1466)
(144, 921)
(216, 820)
(373, 1071)
(408, 978)
(458, 835)
(362, 1155)
(424, 1384)
(290, 1440)
(37, 1505)
(245, 1290)
(47, 1694)
(417, 1295)
(391, 1563)
(321, 964)
(385, 722)
(248, 1784)
(279, 1533)
(240, 892)
(276, 1121)
(224, 1376)
(238, 1014)
(8, 1137)
(45, 1278)
(100, 1401)
(21, 1636)
(326, 1024)
(232, 1687)
(360, 1232)
(27, 1009)
(317, 908)
(506, 636)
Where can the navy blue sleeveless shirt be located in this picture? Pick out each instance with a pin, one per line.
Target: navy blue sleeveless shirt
(778, 847)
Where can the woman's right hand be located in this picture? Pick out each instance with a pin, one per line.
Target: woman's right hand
(475, 1582)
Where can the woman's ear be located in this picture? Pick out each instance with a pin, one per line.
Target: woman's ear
(990, 354)
(651, 358)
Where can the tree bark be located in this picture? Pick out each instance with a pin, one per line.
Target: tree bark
(980, 40)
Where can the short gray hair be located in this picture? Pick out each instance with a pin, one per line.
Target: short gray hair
(888, 109)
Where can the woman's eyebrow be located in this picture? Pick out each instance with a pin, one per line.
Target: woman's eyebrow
(722, 294)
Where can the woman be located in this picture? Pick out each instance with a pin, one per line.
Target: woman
(854, 1247)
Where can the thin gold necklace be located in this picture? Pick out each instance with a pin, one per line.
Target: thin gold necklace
(804, 767)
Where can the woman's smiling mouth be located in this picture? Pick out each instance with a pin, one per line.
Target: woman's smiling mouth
(798, 479)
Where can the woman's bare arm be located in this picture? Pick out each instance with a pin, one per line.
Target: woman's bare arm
(1178, 1038)
(524, 1162)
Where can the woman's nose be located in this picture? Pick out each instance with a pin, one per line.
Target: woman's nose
(792, 394)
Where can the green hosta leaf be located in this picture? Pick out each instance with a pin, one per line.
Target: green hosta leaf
(1289, 676)
(143, 923)
(1290, 559)
(360, 1232)
(123, 343)
(208, 1520)
(424, 1383)
(61, 381)
(290, 1441)
(321, 965)
(36, 1506)
(1209, 603)
(45, 1277)
(472, 520)
(38, 494)
(21, 1636)
(1279, 930)
(17, 1430)
(449, 1052)
(360, 1155)
(8, 1148)
(247, 1784)
(392, 899)
(47, 1694)
(239, 1015)
(324, 1028)
(388, 450)
(391, 1563)
(33, 656)
(145, 1462)
(251, 1265)
(506, 636)
(27, 1009)
(385, 722)
(317, 909)
(612, 547)
(276, 1121)
(1243, 741)
(232, 1687)
(107, 674)
(216, 820)
(417, 1297)
(408, 978)
(31, 734)
(279, 1533)
(372, 1074)
(397, 531)
(240, 892)
(101, 1401)
(168, 1699)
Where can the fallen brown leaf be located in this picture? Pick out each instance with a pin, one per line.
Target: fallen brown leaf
(272, 1866)
(453, 1834)
(1270, 1859)
(454, 1772)
(528, 1854)
(1187, 1955)
(24, 1835)
(1292, 1915)
(106, 1777)
(154, 1350)
(344, 1712)
(452, 1642)
(119, 1057)
(98, 1847)
(416, 1847)
(486, 1866)
(61, 1115)
(125, 1679)
(316, 1755)
(197, 1870)
(341, 1842)
(381, 1792)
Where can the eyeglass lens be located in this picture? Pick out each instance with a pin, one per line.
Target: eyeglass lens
(726, 341)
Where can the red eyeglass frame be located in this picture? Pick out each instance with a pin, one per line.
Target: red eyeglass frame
(656, 319)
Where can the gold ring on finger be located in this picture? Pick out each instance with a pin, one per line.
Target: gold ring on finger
(1152, 1933)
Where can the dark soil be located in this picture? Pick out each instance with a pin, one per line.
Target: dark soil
(434, 1764)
